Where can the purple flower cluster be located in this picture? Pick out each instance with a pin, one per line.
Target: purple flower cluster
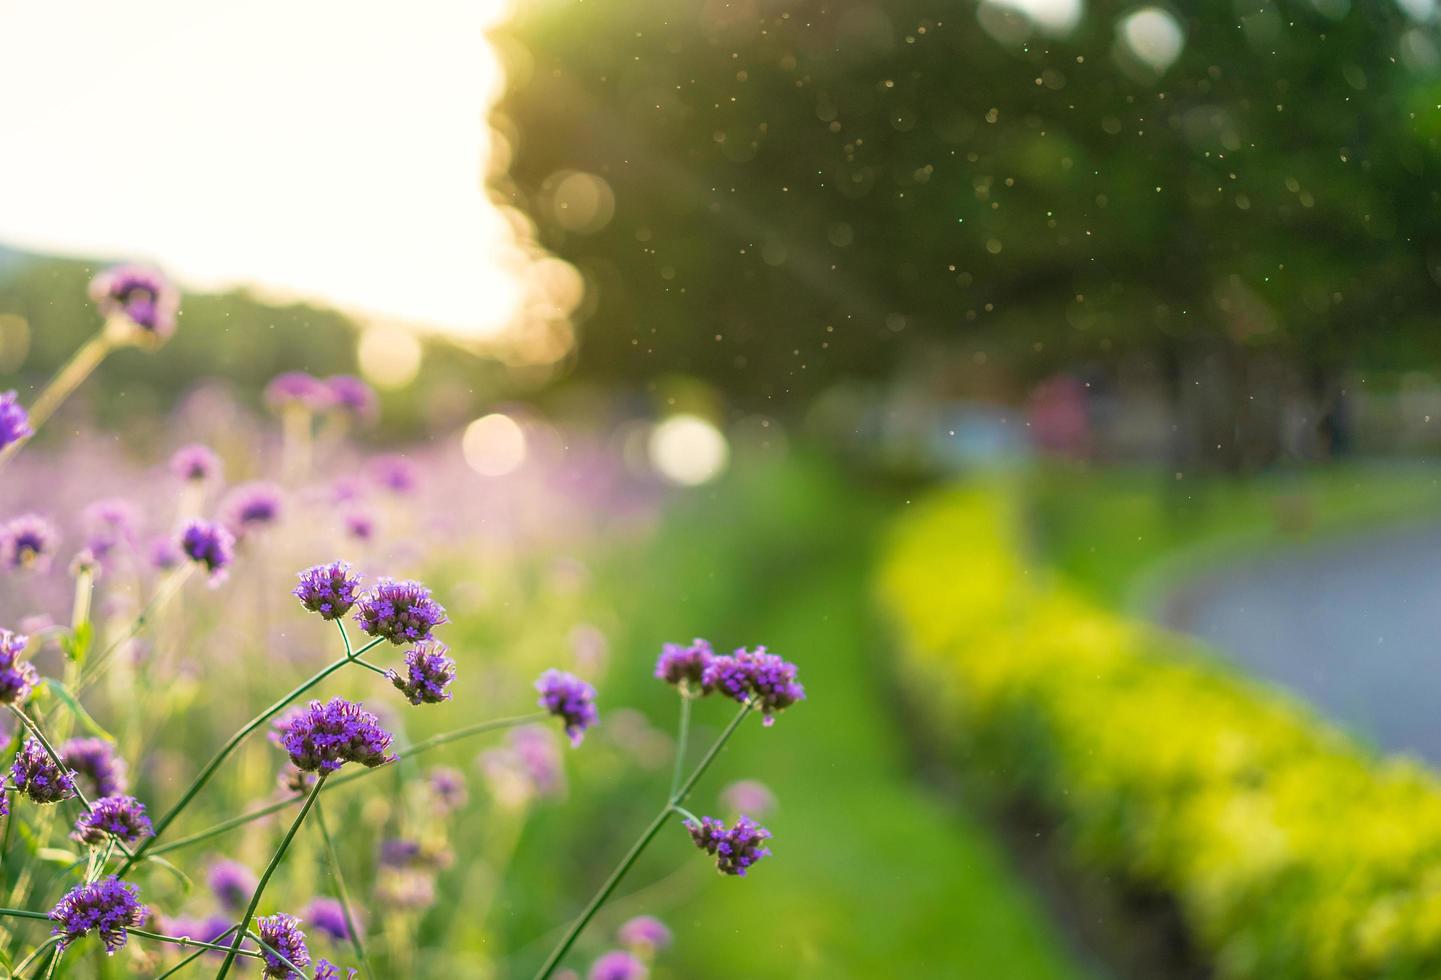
(17, 677)
(121, 817)
(297, 389)
(326, 970)
(281, 932)
(209, 544)
(232, 883)
(252, 507)
(395, 473)
(330, 590)
(94, 760)
(108, 907)
(37, 776)
(447, 786)
(645, 933)
(323, 737)
(685, 666)
(110, 526)
(28, 543)
(617, 965)
(570, 699)
(328, 916)
(428, 674)
(14, 420)
(353, 397)
(401, 612)
(195, 464)
(142, 295)
(735, 849)
(761, 679)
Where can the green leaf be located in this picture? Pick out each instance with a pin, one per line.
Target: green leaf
(76, 643)
(184, 878)
(77, 709)
(59, 855)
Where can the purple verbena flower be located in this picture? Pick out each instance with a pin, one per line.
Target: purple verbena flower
(685, 666)
(736, 849)
(110, 525)
(252, 507)
(14, 420)
(121, 817)
(395, 473)
(329, 590)
(108, 907)
(328, 916)
(195, 464)
(297, 389)
(142, 295)
(38, 777)
(326, 970)
(4, 797)
(94, 760)
(208, 544)
(353, 396)
(281, 932)
(165, 554)
(231, 882)
(570, 699)
(618, 965)
(400, 852)
(17, 677)
(28, 543)
(428, 674)
(323, 737)
(447, 786)
(762, 679)
(645, 933)
(401, 612)
(360, 524)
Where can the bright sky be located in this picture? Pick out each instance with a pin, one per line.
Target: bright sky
(333, 149)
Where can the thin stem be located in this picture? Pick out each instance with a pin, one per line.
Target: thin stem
(34, 730)
(370, 666)
(192, 957)
(265, 878)
(25, 914)
(277, 954)
(210, 767)
(676, 798)
(85, 360)
(344, 636)
(36, 954)
(425, 745)
(342, 893)
(186, 941)
(686, 814)
(167, 588)
(681, 738)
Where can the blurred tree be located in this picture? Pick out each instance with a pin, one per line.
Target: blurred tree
(807, 190)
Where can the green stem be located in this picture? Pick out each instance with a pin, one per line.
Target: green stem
(681, 738)
(369, 666)
(418, 748)
(192, 957)
(25, 914)
(676, 798)
(225, 750)
(265, 878)
(35, 954)
(277, 954)
(85, 360)
(344, 636)
(34, 730)
(186, 941)
(342, 893)
(95, 666)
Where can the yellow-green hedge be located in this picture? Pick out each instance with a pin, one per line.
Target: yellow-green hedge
(1292, 852)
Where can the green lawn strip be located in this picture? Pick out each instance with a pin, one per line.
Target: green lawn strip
(871, 875)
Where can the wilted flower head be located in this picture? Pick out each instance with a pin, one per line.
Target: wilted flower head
(14, 420)
(94, 760)
(447, 786)
(323, 737)
(252, 507)
(748, 796)
(735, 849)
(428, 674)
(685, 666)
(141, 295)
(328, 916)
(297, 389)
(401, 612)
(645, 933)
(17, 677)
(618, 965)
(395, 473)
(28, 543)
(231, 882)
(326, 970)
(195, 464)
(209, 544)
(329, 590)
(282, 933)
(37, 776)
(570, 699)
(121, 817)
(108, 907)
(763, 679)
(353, 396)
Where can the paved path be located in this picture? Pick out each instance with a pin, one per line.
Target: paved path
(1352, 625)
